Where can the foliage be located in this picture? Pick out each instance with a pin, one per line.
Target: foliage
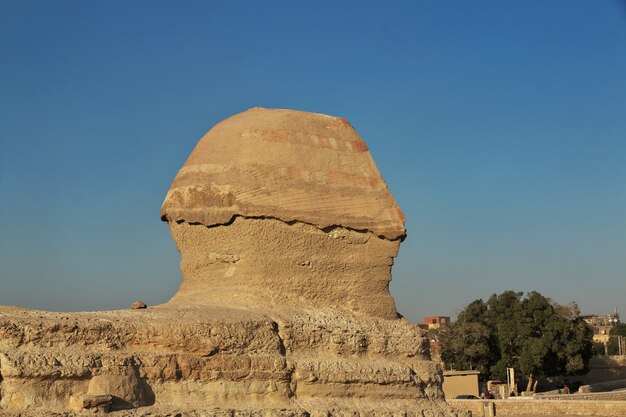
(532, 334)
(612, 346)
(468, 343)
(619, 330)
(598, 349)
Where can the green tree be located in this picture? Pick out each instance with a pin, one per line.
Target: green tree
(612, 346)
(598, 348)
(532, 334)
(467, 343)
(504, 314)
(619, 330)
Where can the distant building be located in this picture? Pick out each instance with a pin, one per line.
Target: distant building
(460, 383)
(433, 323)
(601, 325)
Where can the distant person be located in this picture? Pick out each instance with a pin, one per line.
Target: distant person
(488, 395)
(565, 389)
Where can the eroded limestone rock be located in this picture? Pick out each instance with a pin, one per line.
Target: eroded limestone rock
(94, 402)
(311, 361)
(287, 234)
(283, 206)
(235, 265)
(286, 164)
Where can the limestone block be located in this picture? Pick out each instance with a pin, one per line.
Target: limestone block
(126, 388)
(91, 401)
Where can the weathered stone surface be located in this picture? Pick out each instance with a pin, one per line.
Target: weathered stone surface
(281, 206)
(213, 358)
(285, 164)
(235, 265)
(182, 355)
(91, 401)
(137, 305)
(287, 235)
(125, 387)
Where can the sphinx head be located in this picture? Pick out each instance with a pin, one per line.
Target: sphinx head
(277, 207)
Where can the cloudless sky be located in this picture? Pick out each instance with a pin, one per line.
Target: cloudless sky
(500, 128)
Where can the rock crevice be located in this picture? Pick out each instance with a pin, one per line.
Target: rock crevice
(326, 229)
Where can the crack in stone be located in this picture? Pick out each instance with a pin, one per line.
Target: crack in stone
(325, 229)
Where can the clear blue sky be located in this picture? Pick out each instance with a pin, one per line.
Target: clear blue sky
(500, 128)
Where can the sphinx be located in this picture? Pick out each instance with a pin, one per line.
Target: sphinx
(287, 234)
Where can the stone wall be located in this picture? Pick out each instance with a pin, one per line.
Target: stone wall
(460, 383)
(534, 407)
(605, 368)
(594, 396)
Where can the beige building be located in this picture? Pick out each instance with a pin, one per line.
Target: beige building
(601, 325)
(460, 383)
(434, 322)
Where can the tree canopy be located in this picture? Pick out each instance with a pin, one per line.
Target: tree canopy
(612, 346)
(531, 333)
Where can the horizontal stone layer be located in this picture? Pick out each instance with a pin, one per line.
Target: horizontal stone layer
(214, 358)
(288, 165)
